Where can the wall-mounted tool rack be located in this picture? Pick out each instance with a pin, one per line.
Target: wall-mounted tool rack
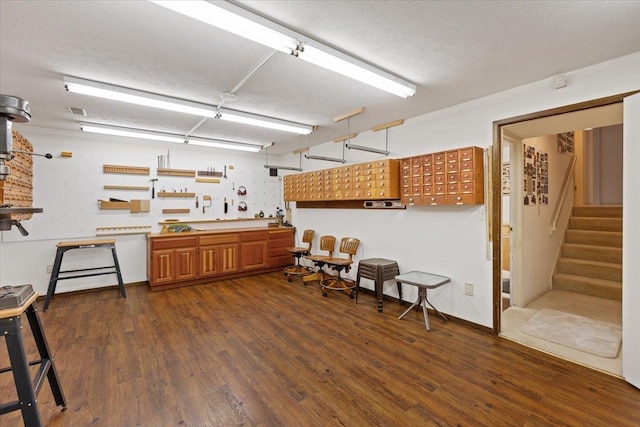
(129, 170)
(17, 189)
(124, 229)
(176, 172)
(126, 187)
(175, 194)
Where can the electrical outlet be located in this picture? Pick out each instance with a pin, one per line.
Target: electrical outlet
(468, 289)
(49, 269)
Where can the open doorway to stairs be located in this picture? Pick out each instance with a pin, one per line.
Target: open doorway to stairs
(516, 291)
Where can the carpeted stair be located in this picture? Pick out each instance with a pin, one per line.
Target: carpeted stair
(591, 258)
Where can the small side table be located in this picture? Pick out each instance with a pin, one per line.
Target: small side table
(379, 270)
(423, 281)
(26, 388)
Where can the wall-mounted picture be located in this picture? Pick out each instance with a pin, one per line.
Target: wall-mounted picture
(565, 142)
(506, 177)
(536, 177)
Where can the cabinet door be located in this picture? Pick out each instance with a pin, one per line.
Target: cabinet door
(185, 264)
(209, 261)
(162, 266)
(254, 255)
(228, 258)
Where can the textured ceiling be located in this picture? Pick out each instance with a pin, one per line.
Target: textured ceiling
(454, 51)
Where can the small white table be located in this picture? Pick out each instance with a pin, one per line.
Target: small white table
(423, 281)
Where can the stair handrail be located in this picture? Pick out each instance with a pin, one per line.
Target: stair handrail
(563, 195)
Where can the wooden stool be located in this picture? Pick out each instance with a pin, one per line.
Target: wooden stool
(66, 246)
(26, 388)
(379, 270)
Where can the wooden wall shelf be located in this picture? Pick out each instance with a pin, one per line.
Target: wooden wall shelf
(176, 211)
(175, 194)
(177, 172)
(126, 187)
(107, 205)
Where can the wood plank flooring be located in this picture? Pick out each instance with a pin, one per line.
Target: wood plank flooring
(260, 351)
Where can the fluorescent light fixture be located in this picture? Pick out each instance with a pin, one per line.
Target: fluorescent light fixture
(369, 149)
(235, 20)
(240, 21)
(148, 99)
(326, 159)
(219, 143)
(131, 133)
(334, 60)
(167, 137)
(268, 166)
(289, 168)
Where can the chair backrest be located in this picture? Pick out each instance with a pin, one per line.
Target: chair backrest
(349, 245)
(307, 237)
(328, 243)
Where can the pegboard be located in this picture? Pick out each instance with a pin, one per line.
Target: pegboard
(68, 188)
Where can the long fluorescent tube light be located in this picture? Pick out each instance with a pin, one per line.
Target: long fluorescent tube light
(249, 25)
(289, 168)
(334, 60)
(148, 99)
(167, 137)
(369, 149)
(235, 20)
(131, 133)
(327, 159)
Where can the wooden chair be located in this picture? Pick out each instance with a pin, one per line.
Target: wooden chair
(349, 246)
(297, 252)
(327, 243)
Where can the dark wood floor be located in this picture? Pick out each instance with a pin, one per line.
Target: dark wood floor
(261, 351)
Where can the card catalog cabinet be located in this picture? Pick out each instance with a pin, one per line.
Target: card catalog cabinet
(454, 177)
(365, 181)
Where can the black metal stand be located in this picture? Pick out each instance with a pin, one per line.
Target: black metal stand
(28, 389)
(55, 273)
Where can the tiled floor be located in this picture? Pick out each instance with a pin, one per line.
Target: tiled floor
(602, 309)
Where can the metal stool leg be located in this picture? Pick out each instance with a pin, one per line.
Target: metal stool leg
(117, 265)
(27, 401)
(45, 355)
(53, 280)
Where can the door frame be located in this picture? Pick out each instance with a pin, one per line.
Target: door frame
(495, 192)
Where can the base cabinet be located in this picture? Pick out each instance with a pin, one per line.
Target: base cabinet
(219, 259)
(177, 260)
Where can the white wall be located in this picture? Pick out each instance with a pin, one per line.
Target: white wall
(447, 240)
(539, 248)
(452, 240)
(68, 190)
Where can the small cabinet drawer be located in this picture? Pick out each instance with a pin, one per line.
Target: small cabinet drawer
(218, 239)
(435, 200)
(174, 242)
(461, 199)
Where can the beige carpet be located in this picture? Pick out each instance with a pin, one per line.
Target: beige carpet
(602, 309)
(578, 332)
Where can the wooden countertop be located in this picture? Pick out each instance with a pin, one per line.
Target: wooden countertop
(219, 231)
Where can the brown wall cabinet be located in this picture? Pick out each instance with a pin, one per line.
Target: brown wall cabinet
(454, 177)
(182, 259)
(377, 180)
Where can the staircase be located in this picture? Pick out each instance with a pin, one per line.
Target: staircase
(590, 261)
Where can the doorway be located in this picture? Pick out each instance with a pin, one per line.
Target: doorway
(508, 137)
